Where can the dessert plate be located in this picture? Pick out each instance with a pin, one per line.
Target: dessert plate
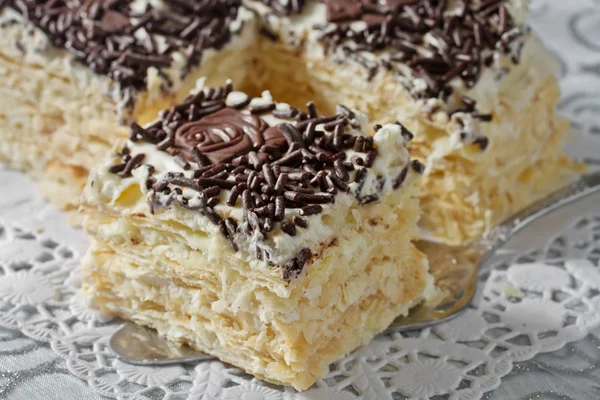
(455, 268)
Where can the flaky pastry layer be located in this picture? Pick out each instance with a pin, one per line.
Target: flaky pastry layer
(200, 292)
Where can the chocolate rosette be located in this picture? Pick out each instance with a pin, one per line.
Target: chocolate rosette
(225, 135)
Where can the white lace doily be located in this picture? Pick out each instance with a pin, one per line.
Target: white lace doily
(529, 303)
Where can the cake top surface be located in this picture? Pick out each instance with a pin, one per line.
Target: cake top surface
(434, 44)
(433, 40)
(123, 39)
(259, 173)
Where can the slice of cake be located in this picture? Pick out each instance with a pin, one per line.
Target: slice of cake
(468, 78)
(273, 238)
(74, 74)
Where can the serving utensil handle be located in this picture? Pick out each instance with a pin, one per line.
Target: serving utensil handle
(584, 186)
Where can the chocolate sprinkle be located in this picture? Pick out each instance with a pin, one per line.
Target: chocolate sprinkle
(400, 179)
(301, 222)
(417, 166)
(289, 228)
(132, 164)
(294, 267)
(311, 210)
(482, 141)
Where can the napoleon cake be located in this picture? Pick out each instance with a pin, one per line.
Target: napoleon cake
(74, 74)
(469, 78)
(275, 239)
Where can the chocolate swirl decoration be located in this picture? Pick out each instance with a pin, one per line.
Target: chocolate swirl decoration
(225, 135)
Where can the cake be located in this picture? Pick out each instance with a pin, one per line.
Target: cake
(75, 74)
(274, 238)
(468, 78)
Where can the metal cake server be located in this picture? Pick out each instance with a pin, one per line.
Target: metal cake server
(455, 268)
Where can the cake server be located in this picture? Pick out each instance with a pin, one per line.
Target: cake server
(455, 268)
